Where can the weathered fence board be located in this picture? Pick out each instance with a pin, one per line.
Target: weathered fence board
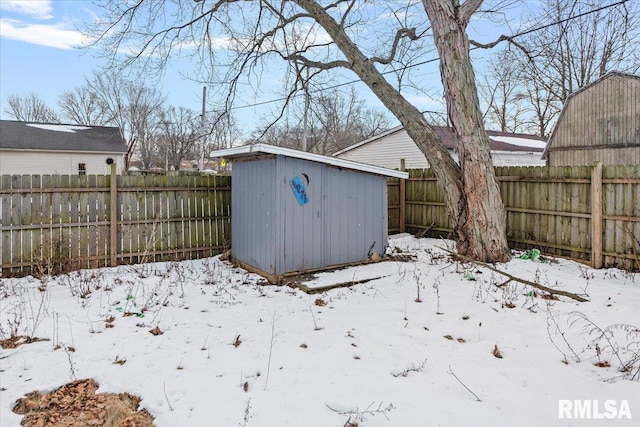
(60, 222)
(549, 208)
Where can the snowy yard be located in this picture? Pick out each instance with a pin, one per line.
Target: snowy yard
(415, 346)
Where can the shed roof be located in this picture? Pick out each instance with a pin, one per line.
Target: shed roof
(253, 150)
(17, 135)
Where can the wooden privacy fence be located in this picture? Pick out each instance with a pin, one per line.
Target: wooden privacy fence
(588, 214)
(60, 222)
(53, 223)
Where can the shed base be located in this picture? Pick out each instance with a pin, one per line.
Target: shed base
(281, 279)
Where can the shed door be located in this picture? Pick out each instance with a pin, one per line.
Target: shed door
(301, 217)
(355, 215)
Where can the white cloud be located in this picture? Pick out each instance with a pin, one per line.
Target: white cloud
(59, 36)
(39, 9)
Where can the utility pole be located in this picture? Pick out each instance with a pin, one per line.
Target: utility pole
(204, 138)
(306, 113)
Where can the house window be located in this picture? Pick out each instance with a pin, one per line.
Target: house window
(82, 168)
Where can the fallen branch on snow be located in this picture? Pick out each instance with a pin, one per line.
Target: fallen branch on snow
(551, 291)
(368, 411)
(450, 372)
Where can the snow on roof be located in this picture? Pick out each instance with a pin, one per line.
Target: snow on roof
(521, 142)
(58, 128)
(255, 149)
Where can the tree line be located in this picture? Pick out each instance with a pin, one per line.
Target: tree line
(160, 135)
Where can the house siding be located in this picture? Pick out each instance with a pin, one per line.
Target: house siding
(387, 152)
(389, 149)
(19, 162)
(599, 123)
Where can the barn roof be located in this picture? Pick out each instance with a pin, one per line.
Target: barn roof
(577, 92)
(253, 150)
(16, 135)
(499, 141)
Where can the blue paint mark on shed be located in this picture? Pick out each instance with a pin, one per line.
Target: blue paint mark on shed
(299, 191)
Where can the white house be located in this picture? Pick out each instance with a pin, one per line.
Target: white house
(387, 148)
(51, 149)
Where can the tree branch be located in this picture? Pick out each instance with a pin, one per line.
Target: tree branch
(315, 64)
(499, 40)
(551, 291)
(467, 9)
(402, 32)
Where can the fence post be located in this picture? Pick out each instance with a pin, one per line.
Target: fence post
(596, 215)
(402, 198)
(113, 224)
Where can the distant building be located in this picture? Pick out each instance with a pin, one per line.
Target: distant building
(387, 148)
(51, 149)
(599, 122)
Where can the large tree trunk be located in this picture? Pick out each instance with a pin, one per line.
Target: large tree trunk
(471, 191)
(481, 222)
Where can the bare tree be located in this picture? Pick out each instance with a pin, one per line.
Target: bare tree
(220, 130)
(179, 133)
(324, 37)
(589, 39)
(280, 134)
(336, 120)
(340, 119)
(82, 105)
(504, 94)
(30, 108)
(372, 123)
(134, 108)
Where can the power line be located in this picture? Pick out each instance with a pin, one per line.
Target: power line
(520, 34)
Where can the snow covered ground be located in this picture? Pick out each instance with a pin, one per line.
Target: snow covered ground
(412, 348)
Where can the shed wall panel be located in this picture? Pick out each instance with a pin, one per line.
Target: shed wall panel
(254, 213)
(302, 236)
(356, 216)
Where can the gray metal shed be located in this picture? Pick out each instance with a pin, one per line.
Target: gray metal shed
(293, 211)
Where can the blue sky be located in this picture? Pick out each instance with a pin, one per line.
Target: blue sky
(38, 53)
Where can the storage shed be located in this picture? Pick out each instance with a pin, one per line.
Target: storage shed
(294, 212)
(599, 122)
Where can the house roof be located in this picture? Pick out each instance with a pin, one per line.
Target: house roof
(582, 89)
(499, 141)
(15, 135)
(253, 150)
